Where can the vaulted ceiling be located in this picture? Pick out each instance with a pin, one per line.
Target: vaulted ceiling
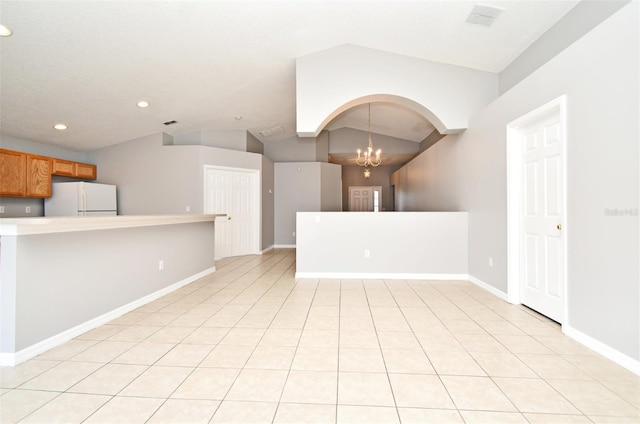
(223, 64)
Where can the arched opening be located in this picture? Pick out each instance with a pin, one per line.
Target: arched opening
(396, 125)
(391, 99)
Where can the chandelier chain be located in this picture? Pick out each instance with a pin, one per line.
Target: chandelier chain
(367, 157)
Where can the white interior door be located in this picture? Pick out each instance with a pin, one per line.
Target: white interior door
(365, 198)
(242, 218)
(236, 194)
(542, 252)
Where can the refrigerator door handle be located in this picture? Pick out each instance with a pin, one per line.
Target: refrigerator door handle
(83, 202)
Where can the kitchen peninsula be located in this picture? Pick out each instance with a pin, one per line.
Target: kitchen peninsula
(62, 276)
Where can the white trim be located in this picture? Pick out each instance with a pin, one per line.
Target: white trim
(372, 189)
(263, 251)
(514, 194)
(284, 246)
(256, 182)
(12, 359)
(380, 276)
(65, 224)
(603, 349)
(494, 291)
(514, 199)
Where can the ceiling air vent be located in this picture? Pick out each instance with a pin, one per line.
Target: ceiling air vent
(271, 131)
(170, 122)
(483, 14)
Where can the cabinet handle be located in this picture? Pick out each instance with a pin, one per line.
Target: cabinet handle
(559, 227)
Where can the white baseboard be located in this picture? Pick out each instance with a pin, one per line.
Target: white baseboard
(380, 276)
(284, 246)
(603, 349)
(12, 359)
(593, 344)
(263, 251)
(494, 291)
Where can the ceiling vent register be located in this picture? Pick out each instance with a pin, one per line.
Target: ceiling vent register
(483, 14)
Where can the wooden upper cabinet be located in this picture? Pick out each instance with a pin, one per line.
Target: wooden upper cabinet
(27, 175)
(13, 173)
(38, 176)
(63, 168)
(66, 168)
(86, 171)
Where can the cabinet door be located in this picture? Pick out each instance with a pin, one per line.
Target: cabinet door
(12, 173)
(86, 171)
(63, 168)
(38, 176)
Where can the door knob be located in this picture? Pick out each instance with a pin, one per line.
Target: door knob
(559, 227)
(228, 218)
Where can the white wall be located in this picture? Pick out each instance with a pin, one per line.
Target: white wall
(95, 273)
(268, 202)
(297, 188)
(322, 147)
(576, 23)
(303, 186)
(152, 178)
(331, 81)
(155, 177)
(37, 148)
(427, 184)
(253, 144)
(330, 187)
(599, 75)
(224, 139)
(293, 149)
(401, 245)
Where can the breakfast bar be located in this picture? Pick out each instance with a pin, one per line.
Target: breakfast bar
(63, 276)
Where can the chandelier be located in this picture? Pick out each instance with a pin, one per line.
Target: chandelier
(366, 158)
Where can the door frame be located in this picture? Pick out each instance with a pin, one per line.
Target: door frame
(373, 188)
(257, 218)
(515, 199)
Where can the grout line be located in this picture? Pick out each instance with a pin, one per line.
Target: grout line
(384, 361)
(266, 283)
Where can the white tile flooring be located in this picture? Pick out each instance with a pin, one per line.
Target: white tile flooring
(251, 344)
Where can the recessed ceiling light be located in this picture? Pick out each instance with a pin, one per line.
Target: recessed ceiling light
(237, 117)
(5, 31)
(143, 103)
(60, 127)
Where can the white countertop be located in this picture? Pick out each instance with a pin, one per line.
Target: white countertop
(63, 224)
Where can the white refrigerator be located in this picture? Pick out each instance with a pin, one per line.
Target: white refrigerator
(81, 199)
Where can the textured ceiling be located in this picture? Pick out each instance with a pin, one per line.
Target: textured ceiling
(222, 64)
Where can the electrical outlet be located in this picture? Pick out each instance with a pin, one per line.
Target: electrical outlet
(27, 209)
(160, 265)
(490, 262)
(1, 209)
(188, 209)
(293, 234)
(367, 253)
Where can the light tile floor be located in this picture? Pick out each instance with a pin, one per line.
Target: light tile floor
(249, 343)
